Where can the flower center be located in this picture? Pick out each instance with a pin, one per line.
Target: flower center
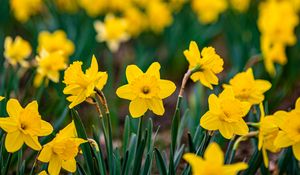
(23, 126)
(146, 90)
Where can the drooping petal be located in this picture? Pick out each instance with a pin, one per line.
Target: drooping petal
(137, 107)
(166, 88)
(132, 72)
(13, 108)
(153, 70)
(195, 161)
(214, 154)
(240, 127)
(69, 165)
(32, 142)
(210, 121)
(46, 128)
(13, 141)
(296, 150)
(265, 157)
(54, 166)
(282, 140)
(157, 106)
(226, 130)
(9, 124)
(45, 154)
(234, 168)
(126, 92)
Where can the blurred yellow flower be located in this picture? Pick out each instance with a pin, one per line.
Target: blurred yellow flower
(56, 41)
(176, 5)
(17, 51)
(212, 162)
(43, 173)
(159, 15)
(23, 125)
(62, 150)
(23, 9)
(81, 85)
(48, 66)
(247, 89)
(289, 135)
(1, 98)
(224, 117)
(136, 21)
(93, 7)
(145, 90)
(209, 64)
(118, 5)
(70, 6)
(277, 21)
(268, 131)
(113, 31)
(208, 11)
(240, 5)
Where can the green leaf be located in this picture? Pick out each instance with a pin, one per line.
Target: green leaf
(161, 165)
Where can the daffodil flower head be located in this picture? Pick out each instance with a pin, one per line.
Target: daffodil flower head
(113, 31)
(145, 90)
(17, 51)
(268, 131)
(1, 98)
(213, 162)
(246, 88)
(70, 6)
(80, 85)
(208, 11)
(208, 62)
(93, 7)
(62, 150)
(240, 5)
(289, 135)
(49, 64)
(224, 117)
(24, 9)
(24, 125)
(56, 41)
(136, 20)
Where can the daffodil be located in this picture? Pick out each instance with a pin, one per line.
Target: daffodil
(240, 5)
(56, 41)
(136, 21)
(1, 98)
(248, 89)
(24, 125)
(113, 31)
(289, 134)
(17, 51)
(49, 65)
(145, 90)
(159, 15)
(208, 11)
(213, 162)
(226, 114)
(62, 150)
(268, 131)
(70, 6)
(208, 63)
(93, 7)
(80, 85)
(24, 9)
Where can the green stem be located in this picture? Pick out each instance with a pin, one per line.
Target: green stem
(205, 143)
(5, 171)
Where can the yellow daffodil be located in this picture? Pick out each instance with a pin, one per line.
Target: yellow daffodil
(240, 5)
(145, 90)
(93, 7)
(70, 6)
(81, 85)
(246, 88)
(289, 135)
(62, 150)
(56, 41)
(43, 173)
(213, 162)
(209, 64)
(136, 21)
(16, 51)
(224, 117)
(118, 6)
(49, 65)
(113, 31)
(23, 9)
(277, 31)
(1, 98)
(176, 5)
(159, 15)
(24, 125)
(268, 131)
(208, 11)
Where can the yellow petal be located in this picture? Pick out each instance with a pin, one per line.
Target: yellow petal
(132, 72)
(234, 168)
(102, 80)
(54, 166)
(202, 79)
(9, 124)
(214, 154)
(38, 79)
(166, 88)
(214, 104)
(32, 142)
(94, 65)
(297, 106)
(296, 150)
(33, 106)
(13, 141)
(68, 132)
(211, 77)
(137, 107)
(13, 108)
(226, 130)
(78, 99)
(1, 98)
(209, 121)
(262, 85)
(43, 173)
(69, 165)
(240, 127)
(195, 162)
(126, 92)
(265, 157)
(45, 154)
(282, 140)
(157, 106)
(153, 70)
(46, 128)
